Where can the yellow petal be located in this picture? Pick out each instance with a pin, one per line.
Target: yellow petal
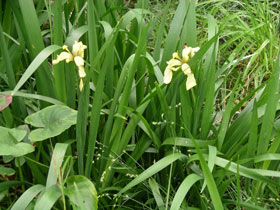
(63, 56)
(65, 47)
(79, 61)
(191, 82)
(174, 68)
(81, 85)
(167, 75)
(78, 49)
(82, 72)
(55, 62)
(193, 51)
(186, 69)
(185, 53)
(196, 49)
(175, 55)
(174, 63)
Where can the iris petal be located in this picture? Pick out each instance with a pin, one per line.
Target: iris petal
(81, 85)
(75, 48)
(186, 69)
(82, 72)
(78, 49)
(191, 82)
(63, 56)
(174, 63)
(185, 53)
(167, 75)
(79, 61)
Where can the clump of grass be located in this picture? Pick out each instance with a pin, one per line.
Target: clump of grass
(126, 140)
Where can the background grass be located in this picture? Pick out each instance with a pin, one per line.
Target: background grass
(137, 143)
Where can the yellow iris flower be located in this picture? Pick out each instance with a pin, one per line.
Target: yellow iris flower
(176, 63)
(77, 56)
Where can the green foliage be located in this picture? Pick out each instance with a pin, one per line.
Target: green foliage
(126, 140)
(11, 142)
(4, 171)
(81, 192)
(51, 121)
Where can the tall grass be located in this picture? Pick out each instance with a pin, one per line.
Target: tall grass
(126, 140)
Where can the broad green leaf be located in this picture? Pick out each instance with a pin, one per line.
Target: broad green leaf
(210, 182)
(75, 35)
(267, 156)
(6, 185)
(226, 117)
(5, 101)
(34, 96)
(57, 159)
(245, 205)
(252, 143)
(187, 142)
(3, 194)
(27, 197)
(40, 58)
(51, 121)
(156, 167)
(174, 32)
(81, 192)
(270, 110)
(10, 142)
(256, 174)
(185, 186)
(48, 198)
(156, 193)
(211, 162)
(4, 171)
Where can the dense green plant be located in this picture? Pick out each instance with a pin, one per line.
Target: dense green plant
(249, 40)
(124, 139)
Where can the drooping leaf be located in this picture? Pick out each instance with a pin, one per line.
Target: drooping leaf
(5, 101)
(4, 171)
(48, 198)
(10, 142)
(185, 186)
(156, 167)
(51, 121)
(57, 159)
(187, 142)
(7, 184)
(156, 193)
(27, 197)
(81, 192)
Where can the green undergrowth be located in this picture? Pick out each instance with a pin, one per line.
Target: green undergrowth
(116, 136)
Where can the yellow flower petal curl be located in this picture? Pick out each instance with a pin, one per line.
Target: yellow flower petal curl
(167, 75)
(191, 82)
(63, 56)
(175, 55)
(173, 63)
